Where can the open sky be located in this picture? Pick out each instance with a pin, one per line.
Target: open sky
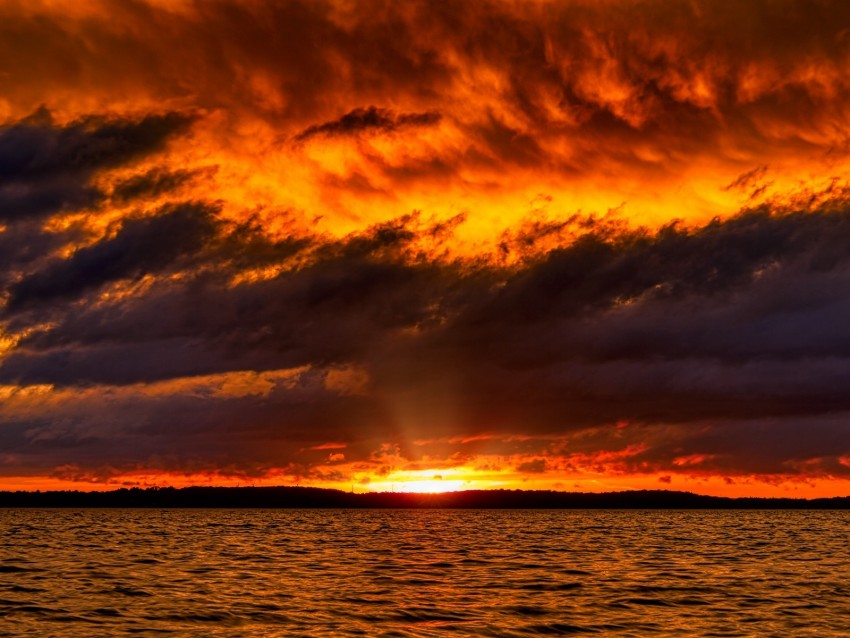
(426, 245)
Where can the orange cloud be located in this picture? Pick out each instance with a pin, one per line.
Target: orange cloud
(594, 105)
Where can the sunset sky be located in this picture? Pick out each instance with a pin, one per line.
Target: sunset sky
(426, 245)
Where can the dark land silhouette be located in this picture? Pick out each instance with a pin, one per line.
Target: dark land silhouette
(311, 497)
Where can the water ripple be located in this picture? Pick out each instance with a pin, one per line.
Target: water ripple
(423, 573)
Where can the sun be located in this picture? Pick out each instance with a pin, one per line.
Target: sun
(421, 482)
(434, 486)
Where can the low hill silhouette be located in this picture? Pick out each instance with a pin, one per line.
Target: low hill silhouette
(311, 497)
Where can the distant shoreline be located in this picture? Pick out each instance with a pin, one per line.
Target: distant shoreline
(310, 497)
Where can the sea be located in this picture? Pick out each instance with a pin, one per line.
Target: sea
(111, 572)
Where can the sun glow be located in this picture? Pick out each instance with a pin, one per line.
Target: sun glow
(425, 482)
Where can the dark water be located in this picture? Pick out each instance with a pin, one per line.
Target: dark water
(423, 573)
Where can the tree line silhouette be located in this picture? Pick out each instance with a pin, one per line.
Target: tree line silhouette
(310, 497)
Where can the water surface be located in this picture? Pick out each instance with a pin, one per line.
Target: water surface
(423, 573)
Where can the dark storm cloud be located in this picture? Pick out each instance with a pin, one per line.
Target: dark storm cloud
(334, 309)
(738, 319)
(46, 168)
(126, 363)
(712, 344)
(368, 119)
(756, 446)
(153, 183)
(196, 430)
(26, 243)
(34, 150)
(613, 275)
(678, 325)
(141, 246)
(20, 201)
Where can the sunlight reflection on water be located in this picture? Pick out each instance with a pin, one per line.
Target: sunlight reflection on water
(423, 573)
